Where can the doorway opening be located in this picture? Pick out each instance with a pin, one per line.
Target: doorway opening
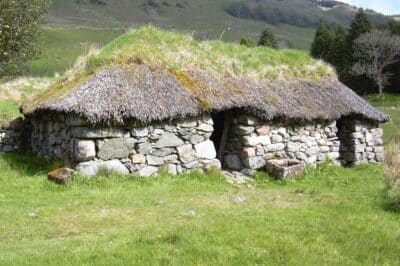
(221, 129)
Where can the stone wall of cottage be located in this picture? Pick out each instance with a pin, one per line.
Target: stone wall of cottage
(51, 136)
(361, 142)
(181, 146)
(175, 147)
(10, 136)
(251, 142)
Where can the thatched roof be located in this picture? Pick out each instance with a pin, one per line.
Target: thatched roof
(145, 91)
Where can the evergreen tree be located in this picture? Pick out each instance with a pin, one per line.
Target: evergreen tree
(394, 26)
(322, 43)
(360, 25)
(337, 53)
(268, 39)
(19, 33)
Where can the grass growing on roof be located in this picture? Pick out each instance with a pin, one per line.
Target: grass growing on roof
(179, 51)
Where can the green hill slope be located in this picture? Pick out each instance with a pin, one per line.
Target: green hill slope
(293, 21)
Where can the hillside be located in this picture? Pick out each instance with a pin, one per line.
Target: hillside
(294, 21)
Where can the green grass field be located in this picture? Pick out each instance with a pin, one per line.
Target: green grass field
(330, 216)
(62, 46)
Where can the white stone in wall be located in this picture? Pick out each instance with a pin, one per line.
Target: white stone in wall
(275, 147)
(140, 132)
(186, 153)
(188, 124)
(256, 140)
(206, 150)
(263, 131)
(154, 160)
(254, 162)
(276, 138)
(312, 151)
(293, 147)
(168, 140)
(172, 169)
(85, 150)
(148, 171)
(98, 133)
(138, 159)
(92, 168)
(206, 128)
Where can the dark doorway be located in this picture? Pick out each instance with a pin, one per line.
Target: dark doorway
(220, 134)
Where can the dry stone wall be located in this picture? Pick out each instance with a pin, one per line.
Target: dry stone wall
(10, 137)
(361, 142)
(176, 147)
(251, 142)
(181, 146)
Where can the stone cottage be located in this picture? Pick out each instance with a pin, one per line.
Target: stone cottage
(142, 118)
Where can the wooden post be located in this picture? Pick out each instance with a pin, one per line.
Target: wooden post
(224, 137)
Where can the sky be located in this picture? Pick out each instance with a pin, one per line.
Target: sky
(387, 7)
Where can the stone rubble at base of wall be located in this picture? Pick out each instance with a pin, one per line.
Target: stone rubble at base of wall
(252, 142)
(176, 147)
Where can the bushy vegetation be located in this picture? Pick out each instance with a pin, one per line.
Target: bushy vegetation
(392, 174)
(268, 39)
(362, 56)
(19, 34)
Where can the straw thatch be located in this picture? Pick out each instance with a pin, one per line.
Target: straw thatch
(116, 95)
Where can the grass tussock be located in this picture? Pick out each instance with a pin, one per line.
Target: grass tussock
(392, 176)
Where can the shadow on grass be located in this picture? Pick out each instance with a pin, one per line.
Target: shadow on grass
(27, 164)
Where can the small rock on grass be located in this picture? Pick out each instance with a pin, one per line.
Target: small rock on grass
(60, 176)
(191, 213)
(240, 199)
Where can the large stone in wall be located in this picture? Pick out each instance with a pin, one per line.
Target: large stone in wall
(93, 168)
(140, 132)
(186, 153)
(254, 163)
(84, 150)
(168, 140)
(115, 148)
(148, 171)
(253, 141)
(205, 150)
(98, 133)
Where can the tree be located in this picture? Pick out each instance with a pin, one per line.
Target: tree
(373, 53)
(337, 52)
(247, 42)
(322, 42)
(19, 33)
(360, 25)
(267, 38)
(394, 26)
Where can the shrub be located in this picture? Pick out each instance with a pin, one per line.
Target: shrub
(392, 177)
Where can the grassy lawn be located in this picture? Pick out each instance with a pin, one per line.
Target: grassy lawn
(389, 104)
(62, 46)
(331, 216)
